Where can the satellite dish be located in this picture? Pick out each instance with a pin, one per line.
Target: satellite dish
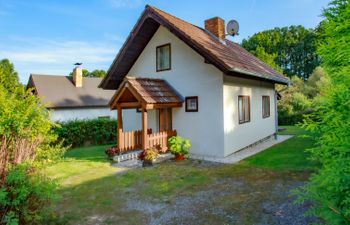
(232, 28)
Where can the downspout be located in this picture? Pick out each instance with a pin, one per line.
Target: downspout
(276, 116)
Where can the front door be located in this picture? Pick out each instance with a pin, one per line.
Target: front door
(164, 119)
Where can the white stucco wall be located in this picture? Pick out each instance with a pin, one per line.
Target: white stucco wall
(81, 113)
(190, 76)
(238, 136)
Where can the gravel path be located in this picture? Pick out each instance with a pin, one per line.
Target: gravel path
(238, 200)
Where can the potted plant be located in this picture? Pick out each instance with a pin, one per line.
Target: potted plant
(179, 147)
(148, 156)
(112, 151)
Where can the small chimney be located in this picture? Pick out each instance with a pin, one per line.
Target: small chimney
(78, 76)
(216, 26)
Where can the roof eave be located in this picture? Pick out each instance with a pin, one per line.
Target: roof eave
(123, 49)
(260, 76)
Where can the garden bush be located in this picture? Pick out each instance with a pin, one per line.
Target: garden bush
(297, 100)
(24, 195)
(26, 143)
(87, 132)
(329, 187)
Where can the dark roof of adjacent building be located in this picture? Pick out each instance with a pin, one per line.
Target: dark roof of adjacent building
(60, 91)
(227, 56)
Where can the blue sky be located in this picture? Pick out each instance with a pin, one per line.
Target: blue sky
(49, 36)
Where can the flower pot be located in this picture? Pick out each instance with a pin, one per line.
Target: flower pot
(179, 157)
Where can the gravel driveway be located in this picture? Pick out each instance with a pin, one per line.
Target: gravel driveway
(257, 197)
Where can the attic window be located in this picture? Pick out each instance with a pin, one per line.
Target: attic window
(163, 57)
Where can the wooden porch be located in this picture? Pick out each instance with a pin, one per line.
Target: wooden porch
(146, 94)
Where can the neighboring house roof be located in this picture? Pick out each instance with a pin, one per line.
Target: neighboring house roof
(147, 91)
(60, 92)
(227, 56)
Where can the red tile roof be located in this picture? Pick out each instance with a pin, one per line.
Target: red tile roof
(232, 55)
(227, 56)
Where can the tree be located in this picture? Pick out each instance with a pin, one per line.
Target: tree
(25, 126)
(329, 188)
(26, 141)
(8, 76)
(317, 81)
(294, 103)
(95, 73)
(294, 49)
(267, 58)
(98, 73)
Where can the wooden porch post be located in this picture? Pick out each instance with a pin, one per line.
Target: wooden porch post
(144, 129)
(161, 120)
(169, 119)
(120, 127)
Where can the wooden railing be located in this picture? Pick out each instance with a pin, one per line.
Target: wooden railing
(160, 139)
(132, 140)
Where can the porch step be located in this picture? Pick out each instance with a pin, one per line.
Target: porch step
(127, 156)
(134, 155)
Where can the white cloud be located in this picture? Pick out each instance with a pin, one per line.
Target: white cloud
(126, 3)
(36, 55)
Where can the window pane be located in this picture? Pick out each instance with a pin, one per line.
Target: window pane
(246, 109)
(166, 57)
(163, 57)
(266, 106)
(240, 109)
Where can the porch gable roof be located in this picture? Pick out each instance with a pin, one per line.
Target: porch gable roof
(145, 93)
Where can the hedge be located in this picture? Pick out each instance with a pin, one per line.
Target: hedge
(77, 133)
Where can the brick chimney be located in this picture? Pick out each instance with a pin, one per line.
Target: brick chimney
(78, 76)
(216, 26)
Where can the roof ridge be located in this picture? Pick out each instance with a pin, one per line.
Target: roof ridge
(155, 8)
(47, 75)
(221, 41)
(52, 75)
(143, 78)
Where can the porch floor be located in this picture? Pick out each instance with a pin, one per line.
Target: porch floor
(247, 152)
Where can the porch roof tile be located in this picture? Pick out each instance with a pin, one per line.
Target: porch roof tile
(155, 91)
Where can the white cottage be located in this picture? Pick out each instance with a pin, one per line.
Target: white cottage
(72, 98)
(175, 77)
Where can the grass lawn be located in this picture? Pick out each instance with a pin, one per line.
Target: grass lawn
(287, 156)
(93, 193)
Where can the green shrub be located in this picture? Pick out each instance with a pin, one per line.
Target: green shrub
(24, 195)
(25, 127)
(87, 132)
(329, 188)
(26, 140)
(179, 145)
(294, 103)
